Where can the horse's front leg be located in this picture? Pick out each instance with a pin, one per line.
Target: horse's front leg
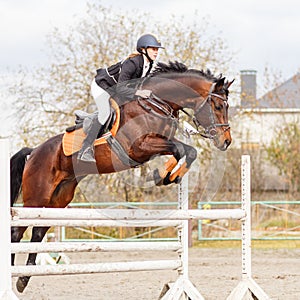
(38, 234)
(190, 154)
(164, 171)
(164, 175)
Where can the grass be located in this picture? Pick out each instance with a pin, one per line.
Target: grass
(276, 244)
(279, 222)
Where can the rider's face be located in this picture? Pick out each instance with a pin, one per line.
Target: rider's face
(152, 52)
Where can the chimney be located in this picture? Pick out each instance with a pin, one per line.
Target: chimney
(248, 88)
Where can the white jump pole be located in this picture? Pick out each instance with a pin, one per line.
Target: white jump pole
(26, 216)
(91, 268)
(94, 247)
(6, 291)
(247, 287)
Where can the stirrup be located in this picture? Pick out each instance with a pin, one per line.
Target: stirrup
(86, 155)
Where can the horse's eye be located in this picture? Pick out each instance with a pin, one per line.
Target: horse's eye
(218, 107)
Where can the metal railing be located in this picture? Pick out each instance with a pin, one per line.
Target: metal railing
(278, 211)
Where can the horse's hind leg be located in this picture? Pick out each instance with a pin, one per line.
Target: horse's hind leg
(61, 197)
(16, 236)
(38, 234)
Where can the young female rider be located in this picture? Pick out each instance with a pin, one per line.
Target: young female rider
(137, 65)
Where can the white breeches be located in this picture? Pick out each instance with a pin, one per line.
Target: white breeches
(101, 98)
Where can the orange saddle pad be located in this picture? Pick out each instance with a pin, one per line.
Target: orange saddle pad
(72, 141)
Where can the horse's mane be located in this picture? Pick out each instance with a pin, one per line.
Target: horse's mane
(178, 67)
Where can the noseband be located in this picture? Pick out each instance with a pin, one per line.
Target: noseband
(210, 131)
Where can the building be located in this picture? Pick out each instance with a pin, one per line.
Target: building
(256, 121)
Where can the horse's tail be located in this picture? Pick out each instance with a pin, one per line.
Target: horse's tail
(17, 164)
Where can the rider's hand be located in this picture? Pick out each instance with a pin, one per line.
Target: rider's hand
(143, 93)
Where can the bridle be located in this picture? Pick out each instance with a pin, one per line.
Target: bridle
(210, 131)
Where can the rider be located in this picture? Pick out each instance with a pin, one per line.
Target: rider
(136, 65)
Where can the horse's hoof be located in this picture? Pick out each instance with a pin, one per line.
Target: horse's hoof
(178, 179)
(167, 180)
(22, 283)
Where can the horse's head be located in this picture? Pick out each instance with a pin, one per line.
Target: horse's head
(212, 113)
(206, 94)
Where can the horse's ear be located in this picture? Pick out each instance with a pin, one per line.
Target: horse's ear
(220, 84)
(230, 83)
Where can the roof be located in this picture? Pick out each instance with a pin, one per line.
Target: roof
(286, 95)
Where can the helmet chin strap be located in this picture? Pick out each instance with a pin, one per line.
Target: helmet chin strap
(147, 55)
(150, 61)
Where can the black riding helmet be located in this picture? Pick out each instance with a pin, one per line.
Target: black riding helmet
(147, 41)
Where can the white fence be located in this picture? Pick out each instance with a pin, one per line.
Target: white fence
(115, 217)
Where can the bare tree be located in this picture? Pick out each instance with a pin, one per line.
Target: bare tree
(46, 100)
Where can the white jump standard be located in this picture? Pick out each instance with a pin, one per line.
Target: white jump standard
(6, 291)
(247, 287)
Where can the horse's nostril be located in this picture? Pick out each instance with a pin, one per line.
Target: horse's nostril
(227, 143)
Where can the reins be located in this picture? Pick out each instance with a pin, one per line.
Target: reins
(160, 104)
(168, 112)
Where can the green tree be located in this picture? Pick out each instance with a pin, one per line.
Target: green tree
(284, 153)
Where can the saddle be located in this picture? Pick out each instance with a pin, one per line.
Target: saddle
(74, 135)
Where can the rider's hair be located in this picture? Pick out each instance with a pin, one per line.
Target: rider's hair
(133, 54)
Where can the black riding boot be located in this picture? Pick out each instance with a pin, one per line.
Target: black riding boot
(86, 152)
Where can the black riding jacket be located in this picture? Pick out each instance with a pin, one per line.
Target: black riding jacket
(118, 79)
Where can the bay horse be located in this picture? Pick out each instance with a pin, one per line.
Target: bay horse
(48, 178)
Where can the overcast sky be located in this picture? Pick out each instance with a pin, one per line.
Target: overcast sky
(261, 32)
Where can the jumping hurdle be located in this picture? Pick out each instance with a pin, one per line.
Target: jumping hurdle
(89, 217)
